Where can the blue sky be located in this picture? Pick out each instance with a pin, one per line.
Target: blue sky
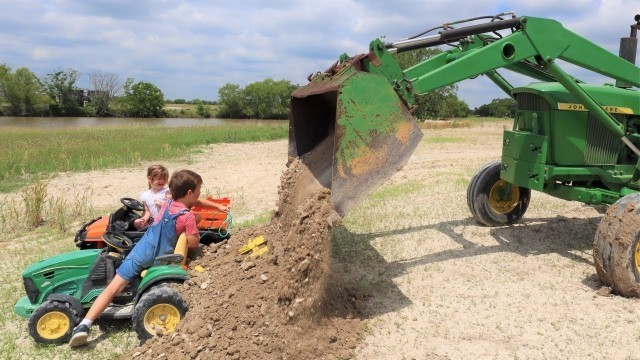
(191, 48)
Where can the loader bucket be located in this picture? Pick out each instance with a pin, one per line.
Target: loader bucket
(352, 131)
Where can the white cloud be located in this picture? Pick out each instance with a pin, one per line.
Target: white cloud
(190, 48)
(40, 54)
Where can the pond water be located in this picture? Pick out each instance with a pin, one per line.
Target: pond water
(73, 122)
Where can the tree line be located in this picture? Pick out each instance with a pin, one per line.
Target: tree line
(23, 93)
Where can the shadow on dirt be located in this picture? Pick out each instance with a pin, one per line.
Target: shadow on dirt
(372, 275)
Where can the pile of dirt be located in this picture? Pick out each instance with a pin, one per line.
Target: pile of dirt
(282, 304)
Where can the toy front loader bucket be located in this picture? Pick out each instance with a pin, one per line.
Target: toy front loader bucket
(352, 131)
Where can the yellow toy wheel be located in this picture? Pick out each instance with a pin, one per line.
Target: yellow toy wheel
(53, 325)
(159, 310)
(161, 317)
(53, 322)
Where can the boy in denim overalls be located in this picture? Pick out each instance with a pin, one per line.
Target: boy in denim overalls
(160, 239)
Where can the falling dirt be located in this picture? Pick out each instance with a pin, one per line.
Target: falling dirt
(282, 304)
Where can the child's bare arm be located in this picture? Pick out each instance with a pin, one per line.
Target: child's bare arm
(193, 241)
(215, 205)
(144, 219)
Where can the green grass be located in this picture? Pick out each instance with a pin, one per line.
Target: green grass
(25, 153)
(187, 110)
(396, 191)
(440, 140)
(259, 219)
(187, 107)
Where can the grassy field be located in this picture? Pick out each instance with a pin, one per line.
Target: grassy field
(187, 110)
(27, 153)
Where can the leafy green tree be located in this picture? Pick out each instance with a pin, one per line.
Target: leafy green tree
(21, 89)
(61, 88)
(231, 102)
(203, 111)
(498, 108)
(268, 99)
(452, 107)
(439, 103)
(143, 99)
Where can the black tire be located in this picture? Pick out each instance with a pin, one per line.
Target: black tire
(472, 185)
(484, 204)
(616, 247)
(53, 322)
(159, 309)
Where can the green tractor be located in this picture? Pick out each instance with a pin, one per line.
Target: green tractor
(60, 288)
(569, 139)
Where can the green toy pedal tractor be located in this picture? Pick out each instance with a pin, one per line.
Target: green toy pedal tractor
(59, 289)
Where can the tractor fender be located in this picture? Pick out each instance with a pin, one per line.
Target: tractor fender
(163, 279)
(64, 298)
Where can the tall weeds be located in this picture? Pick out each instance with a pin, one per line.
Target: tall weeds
(35, 207)
(33, 197)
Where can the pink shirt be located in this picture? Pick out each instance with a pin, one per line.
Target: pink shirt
(185, 223)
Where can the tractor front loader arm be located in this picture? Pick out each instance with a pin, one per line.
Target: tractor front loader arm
(359, 110)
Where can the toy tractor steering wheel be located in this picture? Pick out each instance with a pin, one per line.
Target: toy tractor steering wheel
(132, 204)
(117, 241)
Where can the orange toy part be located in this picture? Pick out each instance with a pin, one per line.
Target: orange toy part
(210, 217)
(95, 231)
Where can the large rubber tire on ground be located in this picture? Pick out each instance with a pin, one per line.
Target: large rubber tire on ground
(53, 322)
(484, 201)
(616, 247)
(159, 310)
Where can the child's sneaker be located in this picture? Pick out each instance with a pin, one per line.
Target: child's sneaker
(79, 336)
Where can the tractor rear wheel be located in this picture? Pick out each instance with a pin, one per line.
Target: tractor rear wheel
(488, 203)
(53, 322)
(616, 247)
(158, 310)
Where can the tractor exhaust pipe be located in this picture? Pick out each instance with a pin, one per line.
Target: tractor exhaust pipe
(628, 48)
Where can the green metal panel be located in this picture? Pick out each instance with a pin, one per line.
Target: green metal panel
(614, 176)
(572, 193)
(374, 136)
(524, 146)
(522, 173)
(615, 100)
(576, 136)
(568, 133)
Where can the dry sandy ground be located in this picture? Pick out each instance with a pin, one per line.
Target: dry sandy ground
(439, 285)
